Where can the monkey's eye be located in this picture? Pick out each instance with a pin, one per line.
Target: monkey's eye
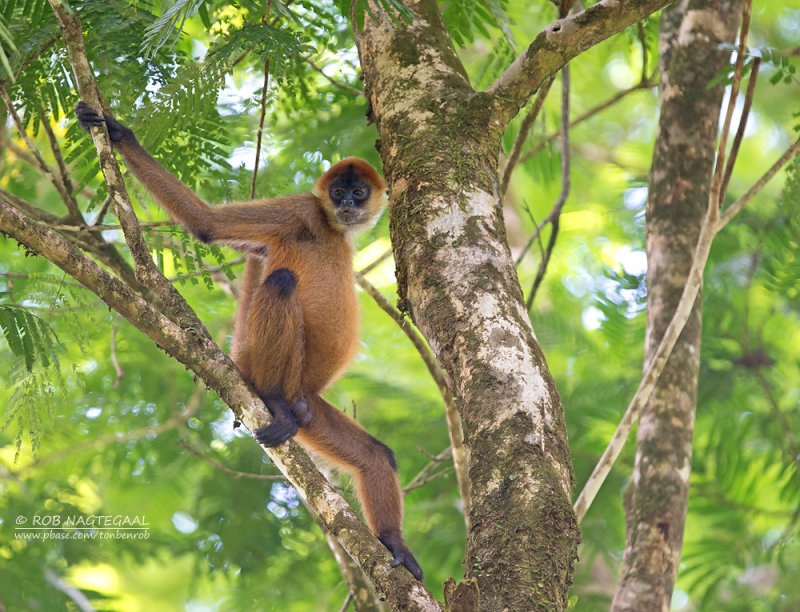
(359, 193)
(338, 194)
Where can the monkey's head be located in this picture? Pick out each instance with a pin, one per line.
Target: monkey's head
(351, 194)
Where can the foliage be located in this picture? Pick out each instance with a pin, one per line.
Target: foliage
(117, 445)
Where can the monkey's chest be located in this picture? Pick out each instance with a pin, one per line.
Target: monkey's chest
(327, 297)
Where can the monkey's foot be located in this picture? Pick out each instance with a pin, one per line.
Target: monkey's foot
(301, 412)
(283, 425)
(400, 553)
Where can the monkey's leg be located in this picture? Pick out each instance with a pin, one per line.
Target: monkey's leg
(271, 355)
(339, 438)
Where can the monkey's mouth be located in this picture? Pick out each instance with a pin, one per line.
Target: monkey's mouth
(348, 216)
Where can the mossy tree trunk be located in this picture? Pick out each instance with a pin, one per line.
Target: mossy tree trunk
(691, 34)
(440, 144)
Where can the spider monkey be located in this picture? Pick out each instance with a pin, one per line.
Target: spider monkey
(297, 319)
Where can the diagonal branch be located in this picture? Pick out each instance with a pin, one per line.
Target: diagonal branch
(643, 84)
(38, 160)
(63, 172)
(334, 82)
(525, 128)
(146, 271)
(558, 43)
(711, 226)
(555, 215)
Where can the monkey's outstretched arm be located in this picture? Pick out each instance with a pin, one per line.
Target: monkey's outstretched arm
(243, 226)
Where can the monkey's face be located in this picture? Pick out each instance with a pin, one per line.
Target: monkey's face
(349, 194)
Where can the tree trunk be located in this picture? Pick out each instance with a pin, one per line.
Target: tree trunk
(691, 32)
(457, 280)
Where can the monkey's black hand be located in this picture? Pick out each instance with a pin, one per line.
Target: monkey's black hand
(87, 117)
(283, 426)
(400, 553)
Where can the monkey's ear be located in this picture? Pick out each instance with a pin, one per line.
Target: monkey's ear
(365, 171)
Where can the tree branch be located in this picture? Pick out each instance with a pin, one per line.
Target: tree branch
(38, 160)
(558, 43)
(263, 112)
(334, 82)
(525, 128)
(74, 212)
(145, 269)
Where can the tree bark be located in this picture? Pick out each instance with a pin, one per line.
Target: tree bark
(656, 502)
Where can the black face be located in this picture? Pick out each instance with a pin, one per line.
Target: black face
(348, 193)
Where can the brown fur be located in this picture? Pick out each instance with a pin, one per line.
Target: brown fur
(296, 343)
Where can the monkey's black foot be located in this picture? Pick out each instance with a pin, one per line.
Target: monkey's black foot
(283, 425)
(400, 553)
(302, 414)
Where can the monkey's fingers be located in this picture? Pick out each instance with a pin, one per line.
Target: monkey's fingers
(283, 425)
(400, 554)
(87, 117)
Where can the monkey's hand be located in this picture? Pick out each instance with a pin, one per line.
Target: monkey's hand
(400, 553)
(284, 423)
(88, 117)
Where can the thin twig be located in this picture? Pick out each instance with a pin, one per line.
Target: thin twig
(74, 593)
(245, 53)
(114, 360)
(522, 135)
(643, 42)
(731, 211)
(71, 203)
(555, 215)
(39, 162)
(263, 112)
(105, 228)
(235, 474)
(535, 236)
(716, 182)
(334, 82)
(371, 266)
(737, 140)
(17, 150)
(98, 220)
(645, 84)
(347, 601)
(30, 60)
(427, 474)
